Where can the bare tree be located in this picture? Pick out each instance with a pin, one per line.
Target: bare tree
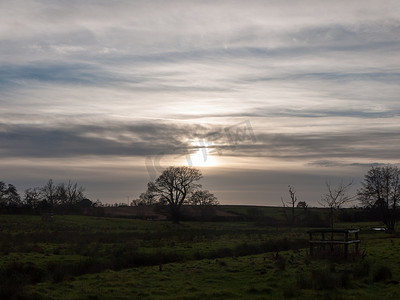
(33, 197)
(146, 198)
(62, 195)
(293, 200)
(49, 193)
(292, 203)
(204, 200)
(74, 193)
(336, 197)
(302, 204)
(9, 196)
(381, 190)
(174, 187)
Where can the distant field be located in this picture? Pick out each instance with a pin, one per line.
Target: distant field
(81, 257)
(270, 215)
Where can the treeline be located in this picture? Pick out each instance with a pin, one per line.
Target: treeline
(61, 197)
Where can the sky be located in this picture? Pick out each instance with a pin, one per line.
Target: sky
(257, 94)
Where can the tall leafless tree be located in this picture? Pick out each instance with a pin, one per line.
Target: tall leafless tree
(9, 196)
(33, 197)
(336, 197)
(292, 204)
(381, 190)
(174, 187)
(144, 199)
(204, 200)
(49, 193)
(293, 200)
(74, 193)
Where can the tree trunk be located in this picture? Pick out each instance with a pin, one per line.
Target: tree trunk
(293, 215)
(175, 214)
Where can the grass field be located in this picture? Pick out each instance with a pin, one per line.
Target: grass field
(80, 257)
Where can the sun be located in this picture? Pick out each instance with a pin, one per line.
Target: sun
(201, 157)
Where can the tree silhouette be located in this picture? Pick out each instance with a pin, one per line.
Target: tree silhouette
(146, 198)
(204, 200)
(336, 197)
(292, 203)
(9, 196)
(174, 187)
(381, 190)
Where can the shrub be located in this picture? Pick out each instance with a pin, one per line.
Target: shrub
(303, 280)
(15, 276)
(290, 291)
(362, 269)
(323, 279)
(280, 263)
(328, 279)
(382, 273)
(220, 252)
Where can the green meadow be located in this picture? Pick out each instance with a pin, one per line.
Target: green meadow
(82, 257)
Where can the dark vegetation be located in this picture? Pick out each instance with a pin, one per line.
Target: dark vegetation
(35, 251)
(51, 197)
(381, 193)
(40, 257)
(240, 252)
(176, 194)
(177, 186)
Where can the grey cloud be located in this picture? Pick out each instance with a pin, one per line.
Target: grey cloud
(281, 62)
(154, 138)
(315, 148)
(332, 163)
(388, 78)
(76, 74)
(108, 138)
(354, 145)
(78, 140)
(321, 113)
(262, 112)
(354, 36)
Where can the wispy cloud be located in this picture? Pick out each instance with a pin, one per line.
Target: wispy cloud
(170, 139)
(317, 79)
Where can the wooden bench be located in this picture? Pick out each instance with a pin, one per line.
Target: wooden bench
(332, 240)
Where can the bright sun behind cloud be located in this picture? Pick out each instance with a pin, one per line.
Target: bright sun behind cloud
(201, 157)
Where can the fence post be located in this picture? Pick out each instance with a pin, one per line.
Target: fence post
(311, 244)
(346, 245)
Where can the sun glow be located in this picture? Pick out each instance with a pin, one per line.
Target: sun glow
(201, 158)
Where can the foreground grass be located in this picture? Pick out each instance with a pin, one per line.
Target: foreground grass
(291, 275)
(77, 257)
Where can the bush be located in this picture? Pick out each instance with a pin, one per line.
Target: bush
(15, 276)
(280, 263)
(291, 291)
(382, 273)
(220, 252)
(362, 269)
(303, 281)
(329, 279)
(59, 271)
(315, 220)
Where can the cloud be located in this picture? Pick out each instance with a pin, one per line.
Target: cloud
(79, 140)
(237, 140)
(318, 80)
(332, 163)
(351, 145)
(74, 74)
